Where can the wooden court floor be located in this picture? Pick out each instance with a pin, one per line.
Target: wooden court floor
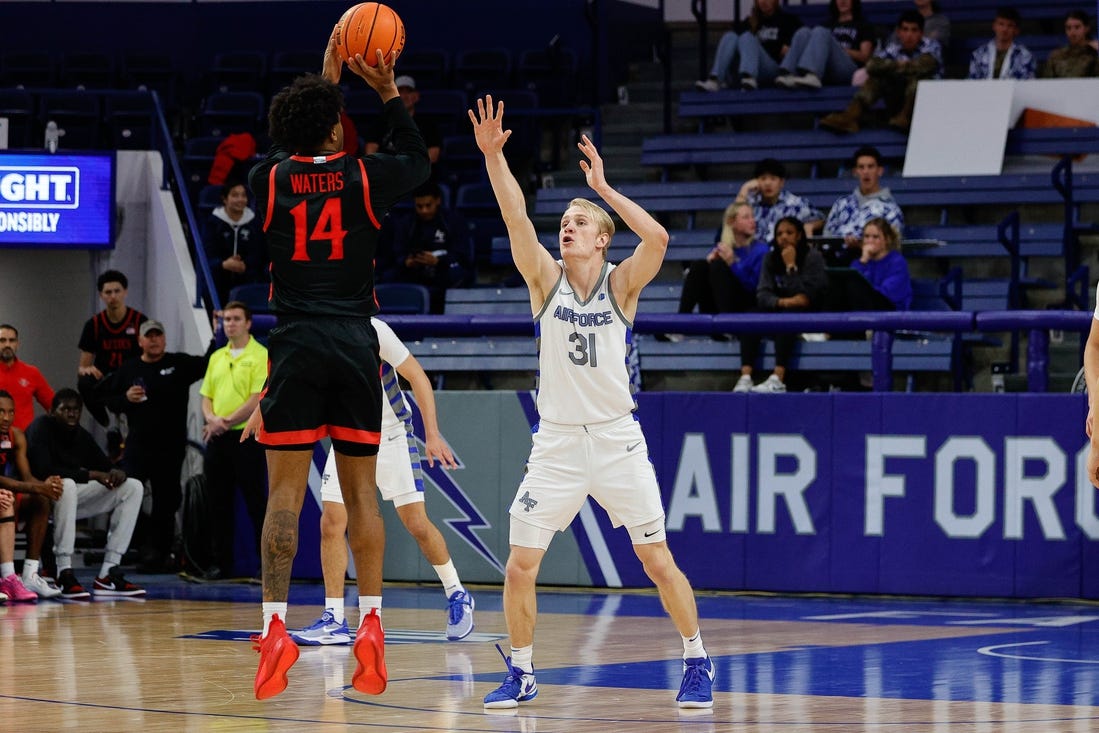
(180, 661)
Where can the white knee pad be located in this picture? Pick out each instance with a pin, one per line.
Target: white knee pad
(525, 534)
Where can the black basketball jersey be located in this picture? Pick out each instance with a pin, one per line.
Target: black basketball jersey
(112, 343)
(322, 215)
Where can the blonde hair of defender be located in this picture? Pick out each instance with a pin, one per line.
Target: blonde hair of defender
(601, 218)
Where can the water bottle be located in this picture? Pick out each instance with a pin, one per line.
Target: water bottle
(52, 136)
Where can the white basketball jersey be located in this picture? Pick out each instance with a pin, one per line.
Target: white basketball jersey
(582, 350)
(393, 353)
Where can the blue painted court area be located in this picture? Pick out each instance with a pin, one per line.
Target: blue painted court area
(974, 651)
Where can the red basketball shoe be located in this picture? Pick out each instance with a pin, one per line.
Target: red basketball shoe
(370, 675)
(277, 654)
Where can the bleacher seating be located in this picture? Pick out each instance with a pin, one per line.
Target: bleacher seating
(88, 70)
(430, 67)
(17, 105)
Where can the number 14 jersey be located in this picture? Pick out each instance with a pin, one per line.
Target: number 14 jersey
(583, 346)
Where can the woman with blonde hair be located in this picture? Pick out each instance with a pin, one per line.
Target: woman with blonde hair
(882, 263)
(726, 281)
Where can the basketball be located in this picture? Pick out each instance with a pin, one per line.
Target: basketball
(367, 28)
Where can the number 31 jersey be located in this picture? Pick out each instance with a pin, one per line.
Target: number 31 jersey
(583, 346)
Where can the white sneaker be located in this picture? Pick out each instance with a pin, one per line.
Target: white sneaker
(786, 81)
(808, 80)
(744, 384)
(707, 85)
(772, 384)
(39, 585)
(749, 82)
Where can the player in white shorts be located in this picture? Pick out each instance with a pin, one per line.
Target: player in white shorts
(401, 482)
(1091, 381)
(588, 441)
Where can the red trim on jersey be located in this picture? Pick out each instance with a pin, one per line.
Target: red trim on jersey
(270, 197)
(366, 197)
(351, 435)
(313, 158)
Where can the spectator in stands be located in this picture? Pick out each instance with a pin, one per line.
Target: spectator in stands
(849, 214)
(234, 244)
(379, 137)
(32, 507)
(831, 53)
(726, 281)
(766, 193)
(793, 279)
(1077, 59)
(91, 486)
(1002, 58)
(752, 51)
(153, 390)
(893, 73)
(936, 26)
(108, 339)
(21, 380)
(882, 263)
(430, 246)
(230, 392)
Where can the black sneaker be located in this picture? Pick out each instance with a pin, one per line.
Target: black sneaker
(70, 586)
(116, 585)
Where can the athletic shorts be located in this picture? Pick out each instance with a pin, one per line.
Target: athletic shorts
(324, 381)
(608, 461)
(399, 477)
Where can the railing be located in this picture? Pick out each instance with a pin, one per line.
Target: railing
(883, 326)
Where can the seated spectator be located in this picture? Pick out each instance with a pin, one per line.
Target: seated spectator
(793, 279)
(831, 53)
(430, 247)
(378, 136)
(849, 214)
(892, 75)
(235, 249)
(883, 265)
(766, 193)
(752, 51)
(91, 486)
(936, 26)
(1079, 58)
(7, 547)
(1002, 58)
(22, 381)
(32, 507)
(108, 339)
(726, 281)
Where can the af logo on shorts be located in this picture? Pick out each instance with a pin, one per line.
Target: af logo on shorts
(527, 502)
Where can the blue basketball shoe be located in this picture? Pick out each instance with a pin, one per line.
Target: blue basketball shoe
(323, 632)
(459, 616)
(697, 688)
(518, 686)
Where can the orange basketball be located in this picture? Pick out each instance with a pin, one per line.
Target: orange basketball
(368, 27)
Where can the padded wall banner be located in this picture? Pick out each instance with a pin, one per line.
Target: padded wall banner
(931, 494)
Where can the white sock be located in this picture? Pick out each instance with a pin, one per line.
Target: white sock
(692, 647)
(270, 609)
(448, 576)
(523, 658)
(103, 570)
(368, 604)
(30, 567)
(6, 569)
(335, 605)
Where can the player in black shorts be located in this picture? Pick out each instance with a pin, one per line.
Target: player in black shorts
(321, 211)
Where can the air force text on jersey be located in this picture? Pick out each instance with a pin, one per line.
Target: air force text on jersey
(584, 320)
(22, 190)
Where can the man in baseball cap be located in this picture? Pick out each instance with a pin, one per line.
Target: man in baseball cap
(377, 136)
(151, 325)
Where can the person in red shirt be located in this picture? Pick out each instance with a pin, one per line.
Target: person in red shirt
(23, 381)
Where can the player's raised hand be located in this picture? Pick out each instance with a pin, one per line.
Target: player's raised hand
(380, 77)
(333, 64)
(593, 166)
(488, 126)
